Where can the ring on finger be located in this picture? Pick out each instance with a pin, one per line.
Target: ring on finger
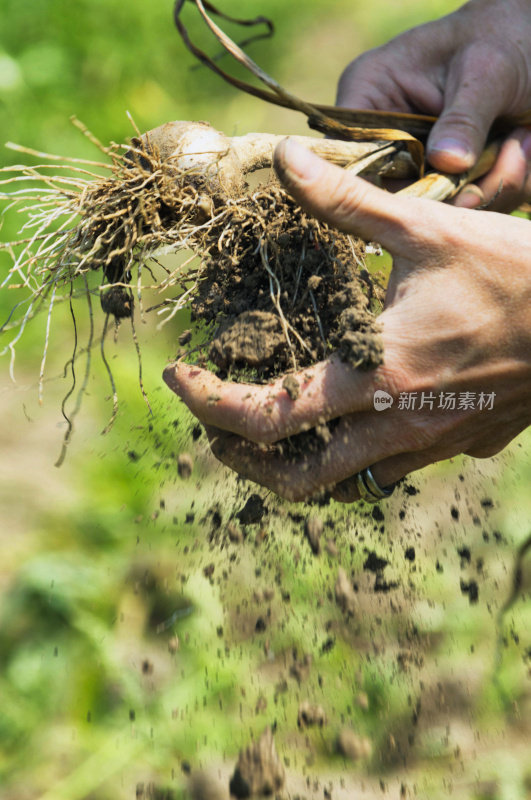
(369, 489)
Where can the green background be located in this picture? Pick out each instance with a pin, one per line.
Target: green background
(99, 567)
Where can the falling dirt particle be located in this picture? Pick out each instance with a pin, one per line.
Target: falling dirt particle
(300, 670)
(310, 715)
(253, 510)
(352, 746)
(410, 553)
(261, 536)
(331, 548)
(345, 594)
(465, 555)
(377, 514)
(234, 533)
(259, 770)
(313, 528)
(291, 385)
(261, 625)
(374, 563)
(208, 571)
(185, 337)
(362, 701)
(173, 644)
(471, 589)
(185, 465)
(406, 659)
(147, 667)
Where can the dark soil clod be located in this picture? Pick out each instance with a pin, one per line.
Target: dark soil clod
(253, 511)
(259, 770)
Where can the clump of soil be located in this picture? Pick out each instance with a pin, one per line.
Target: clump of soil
(352, 746)
(345, 594)
(313, 529)
(280, 290)
(310, 715)
(259, 770)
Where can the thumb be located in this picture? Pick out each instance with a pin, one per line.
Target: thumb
(473, 98)
(347, 202)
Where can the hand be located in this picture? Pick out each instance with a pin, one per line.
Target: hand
(457, 319)
(470, 68)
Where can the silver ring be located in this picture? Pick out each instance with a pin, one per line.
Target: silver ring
(369, 489)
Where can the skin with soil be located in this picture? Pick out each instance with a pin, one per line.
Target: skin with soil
(283, 292)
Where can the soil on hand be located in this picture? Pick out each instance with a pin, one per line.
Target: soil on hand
(281, 291)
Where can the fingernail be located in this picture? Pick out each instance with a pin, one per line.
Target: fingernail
(453, 147)
(295, 159)
(526, 146)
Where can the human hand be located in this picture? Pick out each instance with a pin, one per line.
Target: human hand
(468, 68)
(457, 319)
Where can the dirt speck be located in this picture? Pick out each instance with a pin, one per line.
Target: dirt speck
(253, 510)
(300, 670)
(331, 548)
(345, 594)
(313, 528)
(310, 715)
(291, 385)
(259, 770)
(185, 465)
(234, 533)
(352, 746)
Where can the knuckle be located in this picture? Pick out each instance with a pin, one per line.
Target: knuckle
(345, 200)
(357, 68)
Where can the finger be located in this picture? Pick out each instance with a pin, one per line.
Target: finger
(296, 473)
(459, 135)
(504, 188)
(390, 470)
(354, 205)
(267, 413)
(485, 444)
(366, 84)
(386, 473)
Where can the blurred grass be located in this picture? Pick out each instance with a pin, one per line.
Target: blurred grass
(97, 558)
